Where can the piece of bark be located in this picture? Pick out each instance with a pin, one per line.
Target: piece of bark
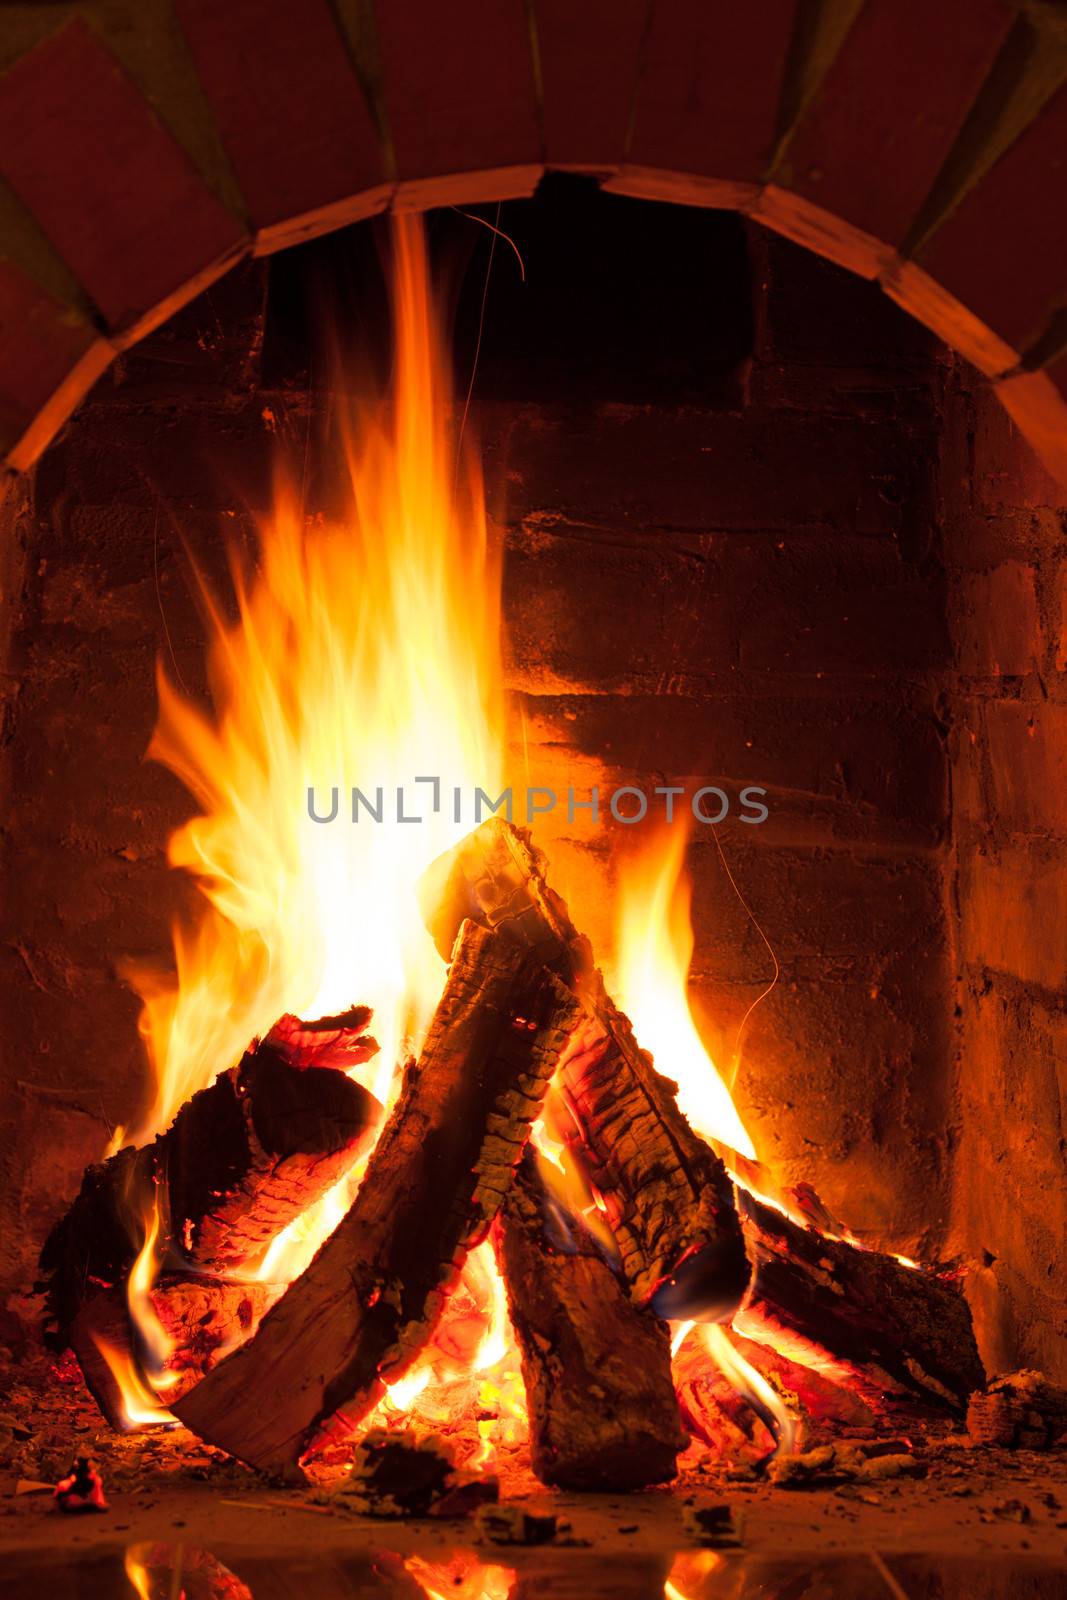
(888, 1326)
(241, 1159)
(597, 1368)
(666, 1193)
(203, 1318)
(365, 1306)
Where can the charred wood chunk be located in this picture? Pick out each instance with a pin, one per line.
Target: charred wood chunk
(240, 1161)
(597, 1369)
(890, 1326)
(367, 1303)
(1019, 1411)
(667, 1194)
(203, 1319)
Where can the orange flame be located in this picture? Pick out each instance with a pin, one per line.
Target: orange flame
(688, 1574)
(365, 656)
(465, 1577)
(140, 1405)
(137, 1571)
(654, 950)
(156, 1343)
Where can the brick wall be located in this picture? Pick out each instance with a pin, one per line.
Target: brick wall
(761, 583)
(1004, 546)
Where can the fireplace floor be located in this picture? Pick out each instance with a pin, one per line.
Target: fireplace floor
(976, 1514)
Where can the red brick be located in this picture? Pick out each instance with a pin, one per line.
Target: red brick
(997, 631)
(1027, 765)
(873, 139)
(707, 99)
(837, 767)
(1013, 910)
(49, 356)
(117, 196)
(628, 467)
(459, 95)
(589, 60)
(290, 110)
(1003, 250)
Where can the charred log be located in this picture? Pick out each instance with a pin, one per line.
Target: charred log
(597, 1369)
(891, 1328)
(667, 1194)
(240, 1161)
(369, 1300)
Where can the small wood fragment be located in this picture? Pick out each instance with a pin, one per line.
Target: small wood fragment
(1019, 1411)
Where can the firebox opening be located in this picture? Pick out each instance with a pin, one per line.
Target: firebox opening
(739, 546)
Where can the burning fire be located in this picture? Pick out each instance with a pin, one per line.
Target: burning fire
(364, 660)
(365, 655)
(655, 948)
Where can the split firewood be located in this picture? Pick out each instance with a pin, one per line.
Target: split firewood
(202, 1318)
(888, 1327)
(597, 1368)
(1019, 1411)
(714, 1409)
(666, 1193)
(359, 1315)
(240, 1161)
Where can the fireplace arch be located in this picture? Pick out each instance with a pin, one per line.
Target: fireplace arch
(143, 158)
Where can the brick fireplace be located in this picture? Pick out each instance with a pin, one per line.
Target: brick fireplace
(755, 331)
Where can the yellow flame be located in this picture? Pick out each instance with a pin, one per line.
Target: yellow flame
(654, 949)
(680, 1332)
(365, 655)
(748, 1382)
(156, 1342)
(137, 1571)
(465, 1577)
(497, 1339)
(140, 1405)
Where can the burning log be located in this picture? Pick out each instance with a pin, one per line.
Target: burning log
(597, 1369)
(363, 1309)
(241, 1159)
(201, 1318)
(667, 1194)
(889, 1326)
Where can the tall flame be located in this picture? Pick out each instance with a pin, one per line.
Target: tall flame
(654, 950)
(365, 655)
